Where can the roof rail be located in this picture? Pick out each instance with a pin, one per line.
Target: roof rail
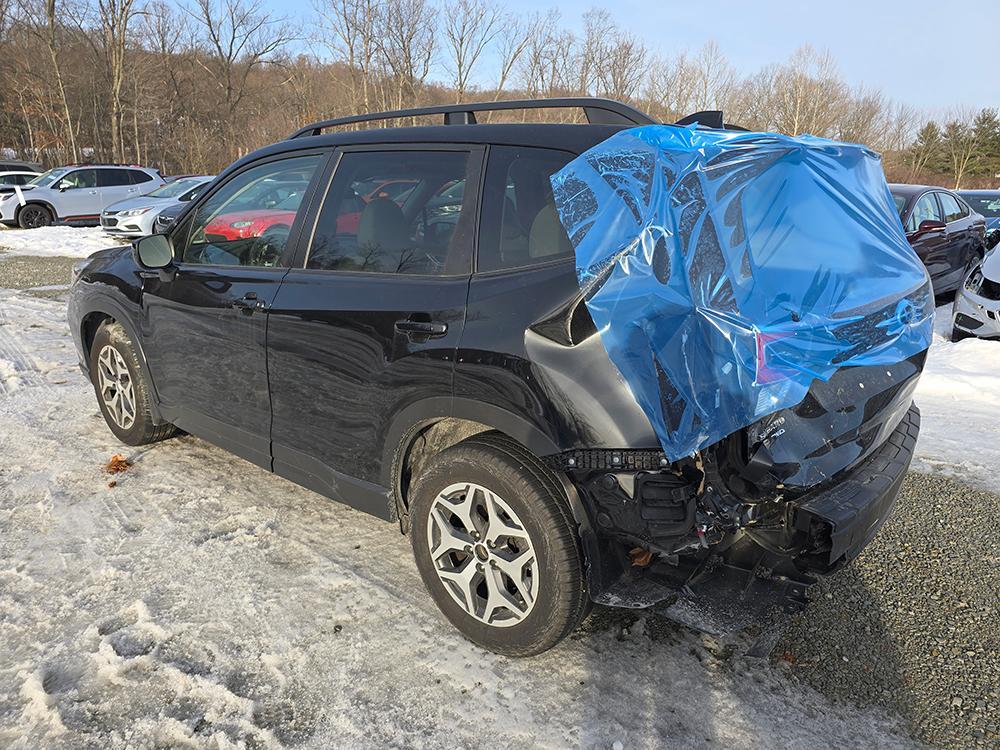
(598, 111)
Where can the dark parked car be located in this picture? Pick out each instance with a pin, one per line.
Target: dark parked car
(947, 235)
(986, 203)
(433, 363)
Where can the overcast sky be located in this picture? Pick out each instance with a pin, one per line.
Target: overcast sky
(933, 54)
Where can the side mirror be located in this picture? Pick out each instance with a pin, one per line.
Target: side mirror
(155, 251)
(931, 225)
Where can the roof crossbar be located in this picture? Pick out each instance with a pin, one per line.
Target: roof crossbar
(598, 112)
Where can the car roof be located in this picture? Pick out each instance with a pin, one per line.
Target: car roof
(981, 191)
(567, 137)
(902, 188)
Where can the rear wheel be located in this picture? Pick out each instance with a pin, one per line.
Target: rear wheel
(495, 541)
(33, 216)
(122, 392)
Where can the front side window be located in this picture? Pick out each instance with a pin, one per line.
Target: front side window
(401, 212)
(80, 178)
(247, 221)
(926, 208)
(953, 209)
(520, 224)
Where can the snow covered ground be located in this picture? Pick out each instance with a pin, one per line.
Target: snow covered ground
(67, 242)
(234, 609)
(196, 601)
(959, 400)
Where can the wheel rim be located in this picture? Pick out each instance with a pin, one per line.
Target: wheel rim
(482, 554)
(34, 217)
(117, 391)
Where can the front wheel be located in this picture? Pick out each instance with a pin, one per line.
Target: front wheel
(122, 392)
(496, 545)
(33, 216)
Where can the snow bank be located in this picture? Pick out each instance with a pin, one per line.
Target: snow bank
(959, 400)
(68, 242)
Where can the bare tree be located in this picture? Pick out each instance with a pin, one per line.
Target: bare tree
(43, 20)
(961, 143)
(470, 26)
(623, 65)
(115, 18)
(407, 44)
(512, 41)
(349, 30)
(239, 36)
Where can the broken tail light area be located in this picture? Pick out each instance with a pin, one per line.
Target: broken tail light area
(726, 271)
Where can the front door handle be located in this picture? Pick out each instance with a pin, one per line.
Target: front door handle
(422, 329)
(248, 303)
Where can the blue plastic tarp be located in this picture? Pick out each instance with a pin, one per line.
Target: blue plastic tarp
(726, 270)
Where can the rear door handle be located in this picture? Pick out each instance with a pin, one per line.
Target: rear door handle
(422, 329)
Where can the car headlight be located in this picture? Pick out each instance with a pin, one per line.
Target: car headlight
(134, 212)
(975, 280)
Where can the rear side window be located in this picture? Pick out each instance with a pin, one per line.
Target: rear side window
(113, 177)
(953, 208)
(399, 212)
(520, 226)
(926, 208)
(139, 177)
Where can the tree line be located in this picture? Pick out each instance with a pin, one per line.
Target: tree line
(191, 85)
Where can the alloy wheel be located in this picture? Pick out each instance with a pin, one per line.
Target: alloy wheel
(115, 383)
(35, 217)
(482, 554)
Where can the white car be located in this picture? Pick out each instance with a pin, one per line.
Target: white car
(17, 177)
(74, 195)
(136, 217)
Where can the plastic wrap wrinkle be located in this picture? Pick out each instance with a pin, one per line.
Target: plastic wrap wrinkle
(725, 270)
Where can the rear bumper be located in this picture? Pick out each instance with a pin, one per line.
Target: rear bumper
(846, 516)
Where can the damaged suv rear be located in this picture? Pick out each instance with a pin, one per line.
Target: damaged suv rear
(644, 366)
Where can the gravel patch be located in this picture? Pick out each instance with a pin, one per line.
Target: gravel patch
(26, 272)
(912, 625)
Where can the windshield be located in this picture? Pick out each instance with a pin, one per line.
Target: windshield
(47, 178)
(987, 205)
(176, 188)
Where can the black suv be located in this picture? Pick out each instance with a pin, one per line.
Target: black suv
(406, 334)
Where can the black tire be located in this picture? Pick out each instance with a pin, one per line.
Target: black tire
(141, 430)
(33, 216)
(529, 488)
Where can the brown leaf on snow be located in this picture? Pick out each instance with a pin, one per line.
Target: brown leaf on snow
(112, 484)
(117, 464)
(640, 557)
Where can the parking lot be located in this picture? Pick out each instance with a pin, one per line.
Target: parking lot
(233, 607)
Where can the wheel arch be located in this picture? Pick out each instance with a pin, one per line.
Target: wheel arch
(429, 426)
(37, 202)
(102, 310)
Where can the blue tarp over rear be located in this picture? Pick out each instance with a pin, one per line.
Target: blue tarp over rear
(725, 270)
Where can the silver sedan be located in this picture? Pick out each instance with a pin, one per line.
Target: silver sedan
(136, 217)
(976, 311)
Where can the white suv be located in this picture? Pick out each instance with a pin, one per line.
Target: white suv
(74, 195)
